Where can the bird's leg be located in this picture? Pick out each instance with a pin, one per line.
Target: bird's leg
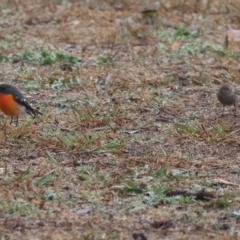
(17, 121)
(235, 110)
(11, 120)
(5, 132)
(223, 110)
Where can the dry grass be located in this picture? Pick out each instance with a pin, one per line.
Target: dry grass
(131, 144)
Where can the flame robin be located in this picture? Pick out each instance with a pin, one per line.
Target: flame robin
(13, 103)
(227, 96)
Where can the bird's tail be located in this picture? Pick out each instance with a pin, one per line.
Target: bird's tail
(33, 112)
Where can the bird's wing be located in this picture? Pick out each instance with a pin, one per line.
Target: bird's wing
(26, 104)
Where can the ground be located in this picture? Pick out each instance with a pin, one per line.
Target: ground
(131, 143)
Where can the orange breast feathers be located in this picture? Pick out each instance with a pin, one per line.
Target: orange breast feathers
(8, 105)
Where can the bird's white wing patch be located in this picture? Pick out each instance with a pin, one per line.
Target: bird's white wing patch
(25, 102)
(23, 106)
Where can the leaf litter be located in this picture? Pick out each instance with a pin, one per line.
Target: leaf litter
(131, 139)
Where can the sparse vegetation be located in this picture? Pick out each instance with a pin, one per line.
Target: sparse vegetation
(131, 143)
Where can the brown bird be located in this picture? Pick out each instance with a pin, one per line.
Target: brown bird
(227, 96)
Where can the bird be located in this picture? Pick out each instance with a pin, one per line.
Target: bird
(227, 96)
(13, 103)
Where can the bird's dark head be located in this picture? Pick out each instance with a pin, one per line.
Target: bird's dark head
(6, 88)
